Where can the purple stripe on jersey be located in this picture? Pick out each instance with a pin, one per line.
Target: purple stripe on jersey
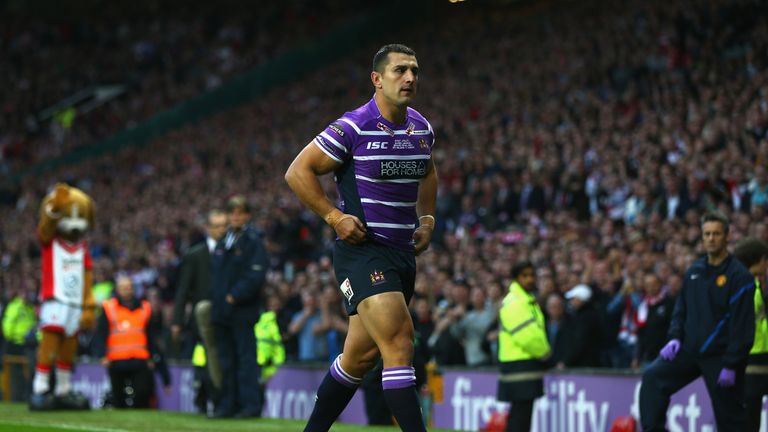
(388, 161)
(385, 214)
(386, 191)
(327, 149)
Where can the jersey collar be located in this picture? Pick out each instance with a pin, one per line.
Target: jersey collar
(373, 110)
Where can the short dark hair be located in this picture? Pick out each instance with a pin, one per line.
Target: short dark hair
(238, 201)
(520, 267)
(379, 60)
(716, 216)
(750, 251)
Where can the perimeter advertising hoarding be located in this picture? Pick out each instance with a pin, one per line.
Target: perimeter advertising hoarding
(574, 402)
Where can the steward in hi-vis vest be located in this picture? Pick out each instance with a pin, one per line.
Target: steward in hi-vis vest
(523, 348)
(126, 348)
(753, 253)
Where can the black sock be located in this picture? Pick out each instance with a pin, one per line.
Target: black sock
(333, 396)
(400, 394)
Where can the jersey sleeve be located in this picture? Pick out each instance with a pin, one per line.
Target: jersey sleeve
(336, 140)
(431, 134)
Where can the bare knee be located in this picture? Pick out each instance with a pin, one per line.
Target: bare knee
(358, 364)
(399, 350)
(368, 361)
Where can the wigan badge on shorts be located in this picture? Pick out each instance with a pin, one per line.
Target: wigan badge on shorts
(377, 278)
(346, 289)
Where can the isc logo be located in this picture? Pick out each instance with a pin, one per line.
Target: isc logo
(375, 145)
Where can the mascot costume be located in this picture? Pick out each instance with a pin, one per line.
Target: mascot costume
(67, 303)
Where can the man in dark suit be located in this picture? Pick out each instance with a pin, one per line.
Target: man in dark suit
(239, 269)
(195, 288)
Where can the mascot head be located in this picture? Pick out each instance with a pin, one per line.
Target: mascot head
(70, 209)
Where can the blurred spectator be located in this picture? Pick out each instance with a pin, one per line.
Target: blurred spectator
(758, 188)
(158, 321)
(423, 327)
(19, 325)
(472, 328)
(445, 346)
(555, 314)
(238, 272)
(653, 317)
(270, 353)
(311, 348)
(333, 323)
(625, 304)
(581, 347)
(194, 289)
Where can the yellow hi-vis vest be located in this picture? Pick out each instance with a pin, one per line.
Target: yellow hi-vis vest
(270, 352)
(18, 321)
(522, 334)
(198, 356)
(760, 345)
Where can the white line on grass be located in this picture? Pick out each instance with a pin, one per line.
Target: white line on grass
(66, 426)
(255, 426)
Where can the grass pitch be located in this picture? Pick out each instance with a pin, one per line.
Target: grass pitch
(16, 417)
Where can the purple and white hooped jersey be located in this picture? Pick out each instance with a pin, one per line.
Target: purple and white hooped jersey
(381, 166)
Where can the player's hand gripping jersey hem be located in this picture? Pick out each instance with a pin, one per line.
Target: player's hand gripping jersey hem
(381, 166)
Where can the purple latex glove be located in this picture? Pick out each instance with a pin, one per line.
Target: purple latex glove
(727, 378)
(670, 350)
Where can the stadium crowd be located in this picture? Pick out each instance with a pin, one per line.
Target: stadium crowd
(183, 51)
(588, 141)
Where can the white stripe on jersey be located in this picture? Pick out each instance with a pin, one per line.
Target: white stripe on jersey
(378, 132)
(327, 153)
(354, 126)
(429, 126)
(388, 203)
(395, 132)
(390, 225)
(368, 179)
(392, 157)
(336, 143)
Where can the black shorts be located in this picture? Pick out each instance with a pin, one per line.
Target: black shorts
(369, 269)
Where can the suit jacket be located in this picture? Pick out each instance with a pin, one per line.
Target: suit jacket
(194, 280)
(579, 330)
(239, 270)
